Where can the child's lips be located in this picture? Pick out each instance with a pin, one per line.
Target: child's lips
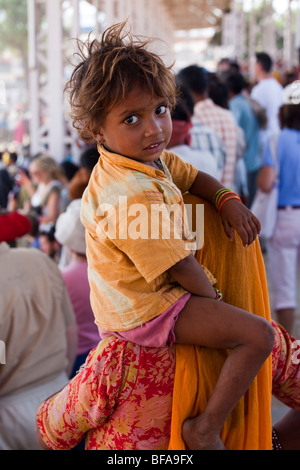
(155, 146)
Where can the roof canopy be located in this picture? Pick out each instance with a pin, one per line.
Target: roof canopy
(193, 14)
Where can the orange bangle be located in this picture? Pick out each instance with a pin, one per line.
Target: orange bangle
(224, 195)
(227, 199)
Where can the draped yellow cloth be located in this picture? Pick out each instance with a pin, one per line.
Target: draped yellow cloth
(241, 277)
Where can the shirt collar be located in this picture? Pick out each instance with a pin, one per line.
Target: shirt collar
(206, 102)
(115, 158)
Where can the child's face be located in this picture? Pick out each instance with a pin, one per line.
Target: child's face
(139, 127)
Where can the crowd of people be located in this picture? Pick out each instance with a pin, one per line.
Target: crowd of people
(121, 392)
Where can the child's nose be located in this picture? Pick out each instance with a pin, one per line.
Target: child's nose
(153, 127)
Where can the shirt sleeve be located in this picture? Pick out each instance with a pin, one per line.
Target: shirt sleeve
(86, 402)
(267, 158)
(236, 111)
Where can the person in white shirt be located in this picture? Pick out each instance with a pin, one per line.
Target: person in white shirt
(268, 93)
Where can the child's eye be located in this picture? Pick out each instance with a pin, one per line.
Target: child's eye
(131, 119)
(161, 109)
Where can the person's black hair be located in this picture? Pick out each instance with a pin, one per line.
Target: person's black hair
(264, 60)
(69, 169)
(193, 77)
(48, 231)
(184, 107)
(236, 83)
(217, 91)
(234, 67)
(13, 157)
(89, 158)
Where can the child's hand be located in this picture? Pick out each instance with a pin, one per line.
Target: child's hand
(235, 215)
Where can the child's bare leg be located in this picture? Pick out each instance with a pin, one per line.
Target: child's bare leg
(218, 325)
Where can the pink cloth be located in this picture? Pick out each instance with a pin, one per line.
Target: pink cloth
(76, 280)
(155, 333)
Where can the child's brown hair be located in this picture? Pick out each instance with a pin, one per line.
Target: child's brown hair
(107, 71)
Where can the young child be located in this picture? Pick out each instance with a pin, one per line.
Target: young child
(149, 288)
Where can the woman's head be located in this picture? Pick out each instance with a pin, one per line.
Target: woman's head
(108, 71)
(44, 169)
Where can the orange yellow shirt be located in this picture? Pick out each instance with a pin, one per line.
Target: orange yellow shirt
(134, 236)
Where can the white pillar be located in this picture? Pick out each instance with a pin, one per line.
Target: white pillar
(252, 32)
(269, 45)
(33, 79)
(56, 127)
(287, 49)
(76, 19)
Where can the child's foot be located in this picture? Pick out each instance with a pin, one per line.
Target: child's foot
(195, 439)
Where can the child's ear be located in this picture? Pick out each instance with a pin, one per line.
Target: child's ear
(99, 137)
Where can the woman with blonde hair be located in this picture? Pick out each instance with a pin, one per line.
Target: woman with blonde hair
(44, 187)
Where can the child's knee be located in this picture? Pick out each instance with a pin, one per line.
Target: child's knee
(265, 338)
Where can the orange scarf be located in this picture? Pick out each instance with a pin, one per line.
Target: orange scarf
(240, 273)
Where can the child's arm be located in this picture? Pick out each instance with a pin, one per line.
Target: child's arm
(191, 276)
(234, 214)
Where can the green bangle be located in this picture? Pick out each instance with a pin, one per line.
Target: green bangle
(218, 194)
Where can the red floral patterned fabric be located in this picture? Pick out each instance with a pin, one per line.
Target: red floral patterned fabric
(122, 399)
(285, 368)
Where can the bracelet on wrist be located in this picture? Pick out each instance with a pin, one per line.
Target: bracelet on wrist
(223, 195)
(225, 200)
(219, 295)
(218, 194)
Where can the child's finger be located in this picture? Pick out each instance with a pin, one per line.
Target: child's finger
(228, 229)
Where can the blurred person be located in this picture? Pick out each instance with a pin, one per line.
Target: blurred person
(204, 139)
(245, 118)
(283, 248)
(39, 331)
(69, 171)
(226, 65)
(268, 92)
(76, 186)
(209, 114)
(12, 166)
(44, 186)
(47, 242)
(13, 225)
(180, 142)
(78, 183)
(70, 233)
(19, 197)
(6, 186)
(217, 91)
